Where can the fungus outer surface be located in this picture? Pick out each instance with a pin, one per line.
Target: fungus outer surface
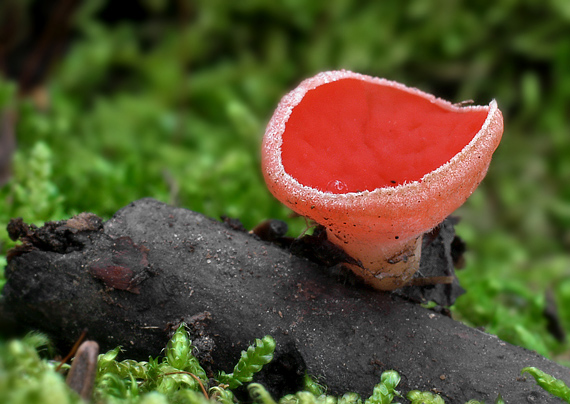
(353, 135)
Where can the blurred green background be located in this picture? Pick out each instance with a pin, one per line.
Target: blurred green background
(169, 99)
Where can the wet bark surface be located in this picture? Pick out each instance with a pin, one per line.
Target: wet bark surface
(131, 280)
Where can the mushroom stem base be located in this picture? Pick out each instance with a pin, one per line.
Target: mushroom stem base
(386, 268)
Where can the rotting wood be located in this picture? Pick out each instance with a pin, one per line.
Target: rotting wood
(130, 280)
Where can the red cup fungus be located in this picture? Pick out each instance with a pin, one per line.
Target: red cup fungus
(377, 163)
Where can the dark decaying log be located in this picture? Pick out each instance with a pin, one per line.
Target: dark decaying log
(130, 280)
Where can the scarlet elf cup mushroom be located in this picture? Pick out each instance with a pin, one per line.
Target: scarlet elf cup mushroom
(377, 163)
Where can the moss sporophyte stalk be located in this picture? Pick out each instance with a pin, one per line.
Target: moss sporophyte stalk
(377, 163)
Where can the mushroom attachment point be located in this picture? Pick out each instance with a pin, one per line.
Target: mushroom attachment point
(377, 163)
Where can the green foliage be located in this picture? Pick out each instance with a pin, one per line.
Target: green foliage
(383, 393)
(25, 378)
(222, 395)
(251, 362)
(549, 383)
(259, 395)
(7, 92)
(32, 191)
(30, 194)
(424, 397)
(507, 292)
(385, 390)
(313, 387)
(128, 379)
(2, 265)
(178, 378)
(350, 398)
(179, 354)
(498, 400)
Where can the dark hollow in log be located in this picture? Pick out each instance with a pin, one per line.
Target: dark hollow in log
(130, 280)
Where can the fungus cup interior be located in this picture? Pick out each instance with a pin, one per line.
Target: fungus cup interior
(352, 135)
